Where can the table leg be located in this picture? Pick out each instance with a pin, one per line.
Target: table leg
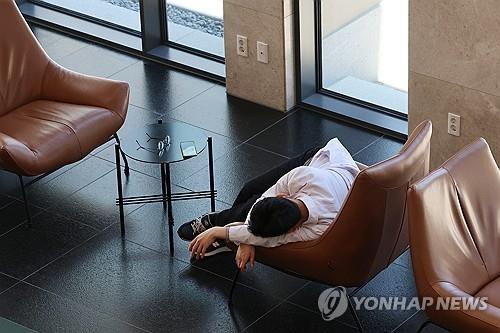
(163, 185)
(120, 189)
(211, 173)
(170, 213)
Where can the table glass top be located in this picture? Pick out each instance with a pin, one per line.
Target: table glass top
(161, 143)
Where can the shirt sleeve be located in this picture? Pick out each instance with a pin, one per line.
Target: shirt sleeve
(312, 210)
(241, 234)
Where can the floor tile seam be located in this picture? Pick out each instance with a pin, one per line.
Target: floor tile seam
(161, 116)
(60, 59)
(71, 219)
(124, 68)
(263, 315)
(85, 186)
(406, 320)
(316, 313)
(11, 201)
(267, 150)
(102, 147)
(157, 178)
(84, 305)
(212, 85)
(9, 288)
(242, 144)
(10, 276)
(367, 146)
(51, 210)
(24, 222)
(283, 301)
(191, 190)
(310, 310)
(108, 226)
(42, 181)
(270, 126)
(67, 195)
(65, 254)
(228, 279)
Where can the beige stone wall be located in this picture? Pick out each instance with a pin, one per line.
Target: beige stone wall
(455, 67)
(269, 21)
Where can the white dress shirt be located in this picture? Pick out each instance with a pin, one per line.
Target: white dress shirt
(322, 186)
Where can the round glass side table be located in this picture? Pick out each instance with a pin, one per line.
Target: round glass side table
(164, 143)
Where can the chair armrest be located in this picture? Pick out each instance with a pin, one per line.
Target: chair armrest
(63, 85)
(461, 320)
(14, 156)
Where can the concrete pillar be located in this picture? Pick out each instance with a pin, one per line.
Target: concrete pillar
(454, 67)
(271, 22)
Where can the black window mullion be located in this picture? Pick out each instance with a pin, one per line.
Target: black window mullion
(152, 18)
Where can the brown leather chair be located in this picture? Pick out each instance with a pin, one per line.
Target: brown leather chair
(49, 116)
(455, 237)
(370, 230)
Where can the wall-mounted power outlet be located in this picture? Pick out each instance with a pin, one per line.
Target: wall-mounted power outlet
(453, 124)
(262, 52)
(242, 45)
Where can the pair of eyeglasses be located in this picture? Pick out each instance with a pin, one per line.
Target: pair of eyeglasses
(165, 140)
(163, 145)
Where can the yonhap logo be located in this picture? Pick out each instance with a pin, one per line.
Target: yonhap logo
(333, 303)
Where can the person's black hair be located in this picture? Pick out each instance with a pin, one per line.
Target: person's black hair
(273, 217)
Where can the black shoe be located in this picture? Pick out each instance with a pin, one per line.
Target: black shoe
(188, 231)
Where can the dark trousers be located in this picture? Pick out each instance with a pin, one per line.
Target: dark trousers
(254, 189)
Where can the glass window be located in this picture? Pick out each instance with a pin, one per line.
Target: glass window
(123, 13)
(365, 51)
(197, 24)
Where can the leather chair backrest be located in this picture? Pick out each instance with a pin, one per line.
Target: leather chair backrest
(371, 229)
(454, 216)
(22, 60)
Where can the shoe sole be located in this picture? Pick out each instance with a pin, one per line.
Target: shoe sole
(217, 251)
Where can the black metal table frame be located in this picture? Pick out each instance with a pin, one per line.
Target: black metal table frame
(167, 197)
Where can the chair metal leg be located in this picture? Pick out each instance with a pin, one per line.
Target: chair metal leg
(354, 314)
(211, 173)
(127, 170)
(170, 210)
(120, 189)
(235, 279)
(25, 198)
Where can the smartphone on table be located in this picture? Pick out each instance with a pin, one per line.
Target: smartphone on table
(188, 149)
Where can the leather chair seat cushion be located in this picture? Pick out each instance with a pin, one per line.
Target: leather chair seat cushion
(492, 291)
(45, 135)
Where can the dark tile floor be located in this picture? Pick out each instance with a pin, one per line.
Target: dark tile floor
(72, 271)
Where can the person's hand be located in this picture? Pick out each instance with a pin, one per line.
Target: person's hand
(245, 254)
(199, 245)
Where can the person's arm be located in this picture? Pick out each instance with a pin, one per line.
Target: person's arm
(200, 243)
(241, 235)
(245, 254)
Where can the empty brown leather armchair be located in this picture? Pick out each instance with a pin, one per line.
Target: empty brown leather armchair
(49, 116)
(370, 230)
(455, 238)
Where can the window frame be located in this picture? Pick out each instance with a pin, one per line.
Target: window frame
(150, 43)
(310, 91)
